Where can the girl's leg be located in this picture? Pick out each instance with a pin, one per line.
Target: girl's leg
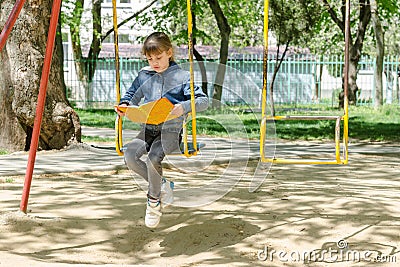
(135, 150)
(162, 145)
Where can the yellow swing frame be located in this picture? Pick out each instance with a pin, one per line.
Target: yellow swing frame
(338, 119)
(189, 149)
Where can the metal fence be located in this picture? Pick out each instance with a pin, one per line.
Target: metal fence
(300, 80)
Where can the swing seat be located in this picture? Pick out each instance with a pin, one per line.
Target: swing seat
(181, 150)
(191, 149)
(164, 106)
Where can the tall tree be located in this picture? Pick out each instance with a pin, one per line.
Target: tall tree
(200, 59)
(224, 31)
(85, 64)
(392, 36)
(240, 19)
(380, 53)
(337, 13)
(392, 48)
(292, 23)
(363, 41)
(82, 70)
(22, 61)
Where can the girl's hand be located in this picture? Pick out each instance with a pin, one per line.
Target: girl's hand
(120, 112)
(177, 110)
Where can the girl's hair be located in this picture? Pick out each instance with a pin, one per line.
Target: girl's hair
(156, 43)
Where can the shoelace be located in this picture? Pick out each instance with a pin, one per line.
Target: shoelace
(152, 210)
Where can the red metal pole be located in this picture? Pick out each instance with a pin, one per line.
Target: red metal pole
(55, 11)
(10, 22)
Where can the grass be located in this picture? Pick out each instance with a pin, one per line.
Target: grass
(96, 139)
(376, 125)
(10, 180)
(365, 123)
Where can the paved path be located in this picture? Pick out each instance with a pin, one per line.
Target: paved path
(92, 157)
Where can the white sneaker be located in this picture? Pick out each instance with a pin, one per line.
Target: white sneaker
(153, 214)
(167, 194)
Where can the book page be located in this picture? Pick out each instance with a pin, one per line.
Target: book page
(154, 112)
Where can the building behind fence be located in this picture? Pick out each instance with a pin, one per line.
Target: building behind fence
(301, 80)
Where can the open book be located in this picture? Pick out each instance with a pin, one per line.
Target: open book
(154, 112)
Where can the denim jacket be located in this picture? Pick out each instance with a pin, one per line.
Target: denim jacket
(173, 83)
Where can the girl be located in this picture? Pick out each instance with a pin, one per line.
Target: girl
(162, 78)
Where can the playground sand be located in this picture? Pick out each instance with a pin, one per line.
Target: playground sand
(97, 218)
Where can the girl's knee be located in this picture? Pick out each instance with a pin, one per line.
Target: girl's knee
(156, 156)
(134, 151)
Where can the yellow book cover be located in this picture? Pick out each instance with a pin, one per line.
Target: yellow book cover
(154, 112)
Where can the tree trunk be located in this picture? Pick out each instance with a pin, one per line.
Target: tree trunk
(22, 62)
(197, 55)
(95, 46)
(318, 81)
(397, 94)
(81, 64)
(353, 87)
(85, 66)
(203, 72)
(276, 70)
(380, 51)
(364, 16)
(225, 31)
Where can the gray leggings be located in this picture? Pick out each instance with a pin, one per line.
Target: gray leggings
(157, 142)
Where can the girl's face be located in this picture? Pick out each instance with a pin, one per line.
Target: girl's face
(159, 62)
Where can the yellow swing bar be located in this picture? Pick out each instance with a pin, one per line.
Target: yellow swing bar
(188, 149)
(192, 101)
(118, 120)
(344, 118)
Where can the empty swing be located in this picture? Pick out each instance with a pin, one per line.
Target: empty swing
(345, 117)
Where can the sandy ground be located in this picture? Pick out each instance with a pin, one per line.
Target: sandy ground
(301, 215)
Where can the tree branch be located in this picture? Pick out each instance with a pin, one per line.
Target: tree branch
(222, 22)
(127, 20)
(365, 17)
(334, 17)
